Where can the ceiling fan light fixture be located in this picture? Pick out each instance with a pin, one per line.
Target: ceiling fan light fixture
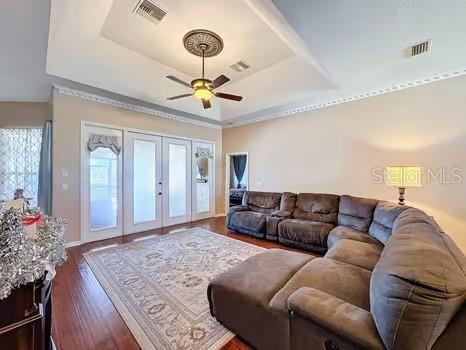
(203, 93)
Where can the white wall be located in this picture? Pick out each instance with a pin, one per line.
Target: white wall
(68, 112)
(334, 150)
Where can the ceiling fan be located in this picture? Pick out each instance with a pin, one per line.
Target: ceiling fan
(204, 43)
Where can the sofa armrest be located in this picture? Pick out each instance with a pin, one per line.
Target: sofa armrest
(235, 209)
(281, 214)
(347, 320)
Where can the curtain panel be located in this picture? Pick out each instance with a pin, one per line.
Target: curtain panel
(239, 164)
(45, 170)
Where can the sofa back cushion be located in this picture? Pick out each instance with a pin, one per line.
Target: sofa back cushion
(288, 201)
(262, 202)
(418, 284)
(356, 212)
(317, 207)
(385, 215)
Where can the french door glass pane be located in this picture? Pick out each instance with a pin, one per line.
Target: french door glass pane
(202, 184)
(103, 188)
(177, 177)
(144, 179)
(203, 199)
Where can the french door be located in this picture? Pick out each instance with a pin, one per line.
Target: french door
(176, 181)
(143, 182)
(135, 181)
(202, 180)
(102, 191)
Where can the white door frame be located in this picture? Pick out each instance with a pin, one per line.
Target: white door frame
(86, 234)
(227, 176)
(128, 171)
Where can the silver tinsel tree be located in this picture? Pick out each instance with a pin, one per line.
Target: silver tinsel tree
(23, 259)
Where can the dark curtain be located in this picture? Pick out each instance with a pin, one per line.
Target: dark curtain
(239, 163)
(45, 170)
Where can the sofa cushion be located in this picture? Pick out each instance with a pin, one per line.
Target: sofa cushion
(385, 215)
(239, 297)
(309, 232)
(250, 220)
(418, 285)
(271, 227)
(262, 202)
(356, 212)
(346, 282)
(343, 232)
(287, 201)
(317, 207)
(361, 254)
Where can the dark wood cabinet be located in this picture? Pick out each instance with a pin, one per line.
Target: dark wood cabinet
(25, 318)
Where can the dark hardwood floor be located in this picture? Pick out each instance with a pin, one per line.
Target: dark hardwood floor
(83, 315)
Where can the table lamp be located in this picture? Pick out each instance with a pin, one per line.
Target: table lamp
(402, 177)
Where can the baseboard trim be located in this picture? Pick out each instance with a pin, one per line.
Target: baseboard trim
(219, 215)
(73, 244)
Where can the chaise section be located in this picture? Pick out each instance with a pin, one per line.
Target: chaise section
(239, 297)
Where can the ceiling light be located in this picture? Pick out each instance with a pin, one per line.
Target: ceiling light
(202, 93)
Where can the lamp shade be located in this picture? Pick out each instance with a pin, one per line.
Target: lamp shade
(403, 176)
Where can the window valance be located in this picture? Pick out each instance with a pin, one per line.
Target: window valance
(204, 152)
(104, 141)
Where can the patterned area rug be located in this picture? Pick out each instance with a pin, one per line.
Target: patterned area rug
(159, 286)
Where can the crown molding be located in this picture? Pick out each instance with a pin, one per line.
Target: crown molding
(132, 107)
(293, 111)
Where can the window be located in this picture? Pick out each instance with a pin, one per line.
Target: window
(19, 162)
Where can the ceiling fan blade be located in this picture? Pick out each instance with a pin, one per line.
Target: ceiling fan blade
(179, 96)
(219, 81)
(179, 81)
(206, 104)
(228, 96)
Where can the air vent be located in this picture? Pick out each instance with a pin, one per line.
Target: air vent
(417, 49)
(239, 66)
(150, 11)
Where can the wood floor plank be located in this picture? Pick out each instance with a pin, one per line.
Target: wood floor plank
(84, 317)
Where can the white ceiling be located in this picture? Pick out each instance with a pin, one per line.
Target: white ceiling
(163, 42)
(89, 44)
(302, 53)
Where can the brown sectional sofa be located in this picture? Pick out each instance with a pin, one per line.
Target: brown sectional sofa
(390, 279)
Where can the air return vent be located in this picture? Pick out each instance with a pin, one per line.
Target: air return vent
(239, 66)
(150, 11)
(417, 49)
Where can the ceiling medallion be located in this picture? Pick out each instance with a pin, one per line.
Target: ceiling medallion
(201, 42)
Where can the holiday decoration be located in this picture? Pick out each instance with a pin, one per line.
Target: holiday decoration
(31, 245)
